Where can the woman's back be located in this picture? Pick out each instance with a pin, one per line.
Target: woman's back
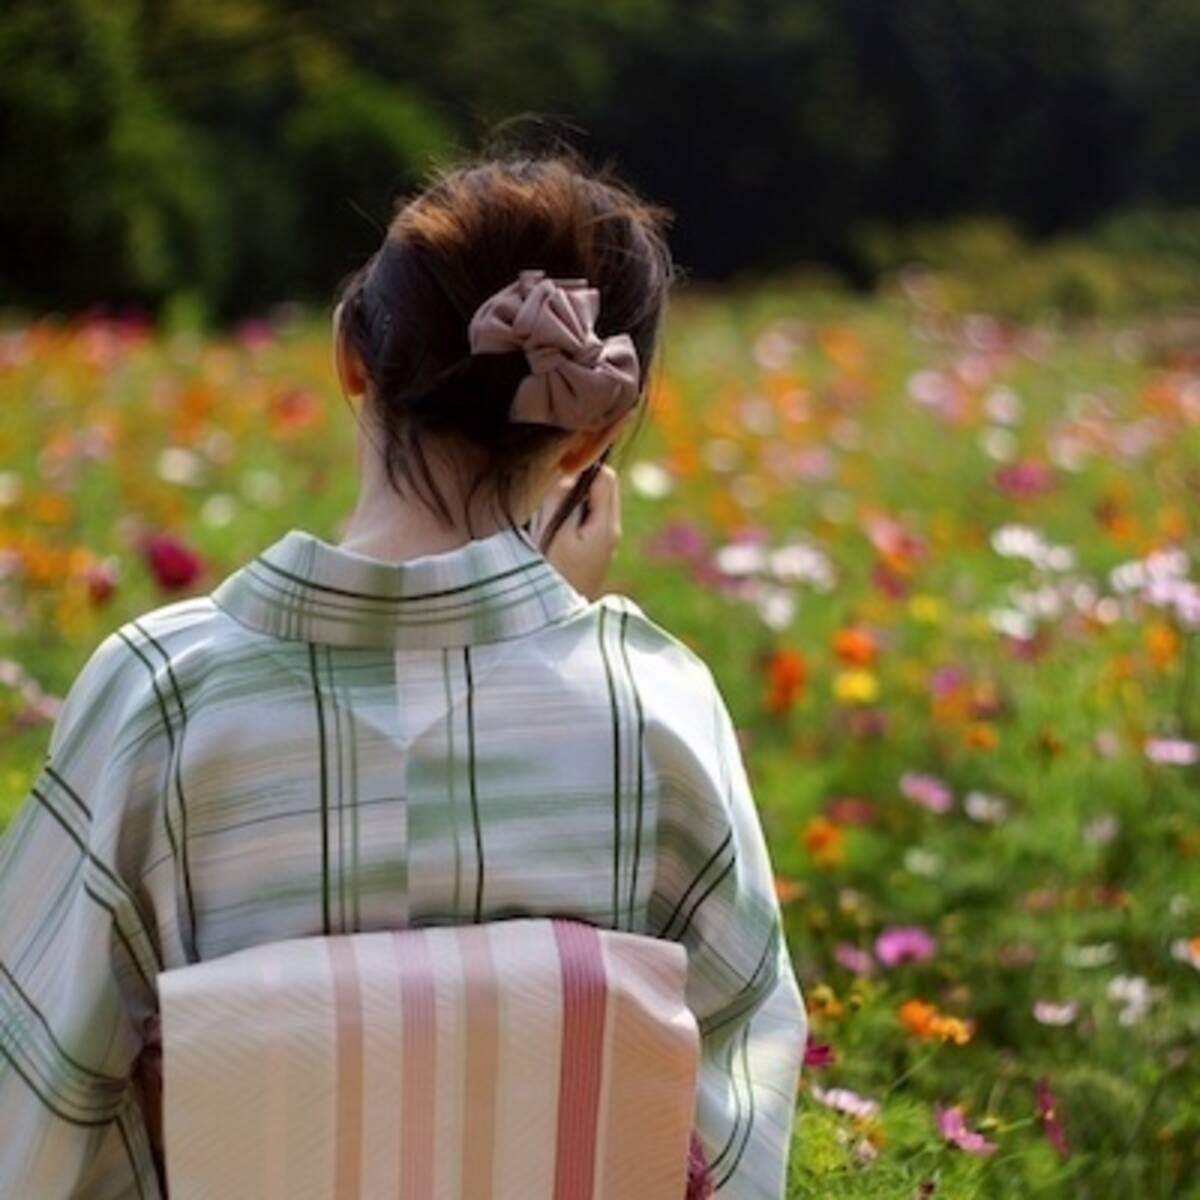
(331, 742)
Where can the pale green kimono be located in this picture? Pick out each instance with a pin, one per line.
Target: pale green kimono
(332, 743)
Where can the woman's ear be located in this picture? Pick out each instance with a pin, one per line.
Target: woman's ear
(351, 373)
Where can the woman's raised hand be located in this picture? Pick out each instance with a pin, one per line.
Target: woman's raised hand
(582, 549)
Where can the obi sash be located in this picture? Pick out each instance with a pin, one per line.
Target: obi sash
(519, 1059)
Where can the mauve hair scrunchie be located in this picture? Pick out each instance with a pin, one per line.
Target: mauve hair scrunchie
(578, 380)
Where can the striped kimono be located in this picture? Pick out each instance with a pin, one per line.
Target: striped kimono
(331, 743)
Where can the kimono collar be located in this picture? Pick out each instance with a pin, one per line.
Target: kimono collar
(486, 590)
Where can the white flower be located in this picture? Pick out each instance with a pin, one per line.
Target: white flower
(922, 862)
(979, 806)
(741, 558)
(776, 606)
(177, 464)
(218, 510)
(1187, 950)
(1047, 1012)
(651, 480)
(1101, 830)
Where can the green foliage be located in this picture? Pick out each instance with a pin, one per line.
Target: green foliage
(250, 149)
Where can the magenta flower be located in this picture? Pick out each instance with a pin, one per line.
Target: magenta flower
(926, 790)
(818, 1054)
(853, 959)
(678, 539)
(1023, 479)
(172, 564)
(901, 943)
(1048, 1115)
(951, 1126)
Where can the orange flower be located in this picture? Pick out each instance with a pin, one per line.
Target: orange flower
(823, 840)
(981, 736)
(789, 889)
(1163, 644)
(923, 1020)
(786, 677)
(856, 646)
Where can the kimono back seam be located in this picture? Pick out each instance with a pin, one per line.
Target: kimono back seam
(329, 743)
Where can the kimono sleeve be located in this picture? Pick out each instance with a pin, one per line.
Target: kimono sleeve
(78, 953)
(715, 893)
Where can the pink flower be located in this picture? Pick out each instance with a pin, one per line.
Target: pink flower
(171, 563)
(677, 539)
(899, 943)
(853, 959)
(1176, 752)
(846, 1101)
(951, 1126)
(927, 791)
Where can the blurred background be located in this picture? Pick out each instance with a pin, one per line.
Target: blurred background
(920, 479)
(242, 151)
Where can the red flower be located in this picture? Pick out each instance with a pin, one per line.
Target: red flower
(171, 563)
(1047, 1114)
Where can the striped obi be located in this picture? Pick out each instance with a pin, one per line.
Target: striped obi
(518, 1059)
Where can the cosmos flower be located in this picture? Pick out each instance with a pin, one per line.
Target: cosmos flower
(1176, 752)
(926, 790)
(1048, 1116)
(853, 959)
(1048, 1012)
(818, 1054)
(845, 1101)
(1187, 950)
(173, 565)
(952, 1127)
(904, 943)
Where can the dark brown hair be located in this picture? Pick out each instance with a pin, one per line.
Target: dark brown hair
(467, 233)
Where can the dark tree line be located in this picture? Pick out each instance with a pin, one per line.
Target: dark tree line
(249, 149)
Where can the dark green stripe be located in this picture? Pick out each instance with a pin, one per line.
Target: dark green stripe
(708, 891)
(471, 769)
(90, 857)
(451, 773)
(177, 756)
(312, 663)
(641, 743)
(94, 1124)
(41, 1073)
(616, 728)
(454, 591)
(37, 1012)
(734, 1010)
(335, 721)
(737, 1113)
(66, 787)
(750, 1115)
(171, 737)
(695, 883)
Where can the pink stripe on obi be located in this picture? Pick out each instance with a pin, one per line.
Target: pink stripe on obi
(559, 1057)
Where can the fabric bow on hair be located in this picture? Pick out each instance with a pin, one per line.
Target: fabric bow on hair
(578, 380)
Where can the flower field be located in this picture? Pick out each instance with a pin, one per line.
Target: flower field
(945, 571)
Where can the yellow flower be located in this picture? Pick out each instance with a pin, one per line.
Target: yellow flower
(855, 687)
(927, 609)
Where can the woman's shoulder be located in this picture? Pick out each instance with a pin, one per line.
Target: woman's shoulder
(661, 662)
